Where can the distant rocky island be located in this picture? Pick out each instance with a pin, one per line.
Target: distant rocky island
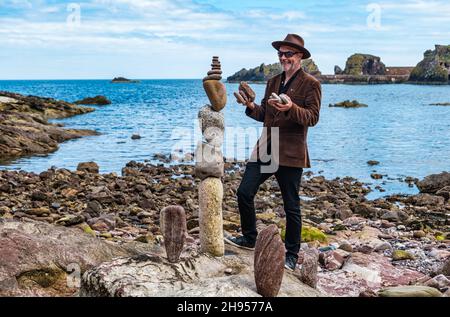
(264, 72)
(97, 100)
(434, 68)
(123, 80)
(366, 69)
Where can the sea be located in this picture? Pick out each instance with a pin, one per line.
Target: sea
(399, 128)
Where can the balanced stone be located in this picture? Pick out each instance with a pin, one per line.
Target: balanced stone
(212, 77)
(210, 196)
(308, 272)
(173, 220)
(210, 118)
(215, 72)
(269, 261)
(208, 161)
(212, 124)
(248, 91)
(216, 92)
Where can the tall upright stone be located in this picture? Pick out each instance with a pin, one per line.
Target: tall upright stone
(173, 227)
(209, 165)
(210, 195)
(269, 261)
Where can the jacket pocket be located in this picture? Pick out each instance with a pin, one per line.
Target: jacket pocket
(298, 99)
(292, 146)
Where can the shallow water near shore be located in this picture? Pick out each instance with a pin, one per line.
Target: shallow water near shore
(399, 128)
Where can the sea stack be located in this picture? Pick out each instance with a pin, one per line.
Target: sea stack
(209, 165)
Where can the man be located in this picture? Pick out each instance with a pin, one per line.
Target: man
(291, 120)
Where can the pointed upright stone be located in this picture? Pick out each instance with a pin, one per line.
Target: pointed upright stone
(269, 262)
(214, 88)
(173, 227)
(310, 266)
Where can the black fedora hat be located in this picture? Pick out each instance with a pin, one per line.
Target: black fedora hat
(295, 41)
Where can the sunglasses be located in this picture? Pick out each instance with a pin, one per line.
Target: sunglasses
(288, 54)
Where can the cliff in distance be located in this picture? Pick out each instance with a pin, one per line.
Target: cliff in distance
(264, 72)
(434, 68)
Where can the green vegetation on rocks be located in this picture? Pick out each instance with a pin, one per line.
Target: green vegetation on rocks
(434, 68)
(399, 255)
(410, 291)
(313, 234)
(364, 64)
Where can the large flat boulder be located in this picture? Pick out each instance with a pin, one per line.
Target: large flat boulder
(433, 183)
(39, 259)
(196, 275)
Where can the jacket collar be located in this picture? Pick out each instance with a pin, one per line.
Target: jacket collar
(297, 81)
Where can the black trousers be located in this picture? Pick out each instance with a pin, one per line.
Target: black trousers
(288, 179)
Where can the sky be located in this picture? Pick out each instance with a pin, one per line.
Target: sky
(102, 39)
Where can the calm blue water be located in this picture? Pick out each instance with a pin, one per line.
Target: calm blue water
(398, 128)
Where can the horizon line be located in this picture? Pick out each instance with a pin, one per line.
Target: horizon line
(22, 79)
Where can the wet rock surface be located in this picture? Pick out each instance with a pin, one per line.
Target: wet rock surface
(97, 100)
(349, 104)
(24, 129)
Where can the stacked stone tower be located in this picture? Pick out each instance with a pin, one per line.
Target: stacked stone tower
(209, 165)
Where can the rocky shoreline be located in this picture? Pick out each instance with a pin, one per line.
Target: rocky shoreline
(25, 129)
(364, 245)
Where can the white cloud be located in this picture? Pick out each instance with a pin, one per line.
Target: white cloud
(18, 4)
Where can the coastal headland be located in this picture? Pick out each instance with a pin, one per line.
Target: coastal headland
(362, 69)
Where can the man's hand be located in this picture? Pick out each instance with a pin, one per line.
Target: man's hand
(243, 99)
(283, 107)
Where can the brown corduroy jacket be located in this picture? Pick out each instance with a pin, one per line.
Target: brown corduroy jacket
(306, 94)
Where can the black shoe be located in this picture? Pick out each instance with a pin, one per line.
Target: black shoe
(240, 242)
(290, 263)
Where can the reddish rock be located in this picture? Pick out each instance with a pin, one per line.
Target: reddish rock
(174, 231)
(433, 183)
(216, 92)
(364, 272)
(331, 260)
(439, 282)
(310, 265)
(247, 90)
(90, 167)
(446, 268)
(269, 262)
